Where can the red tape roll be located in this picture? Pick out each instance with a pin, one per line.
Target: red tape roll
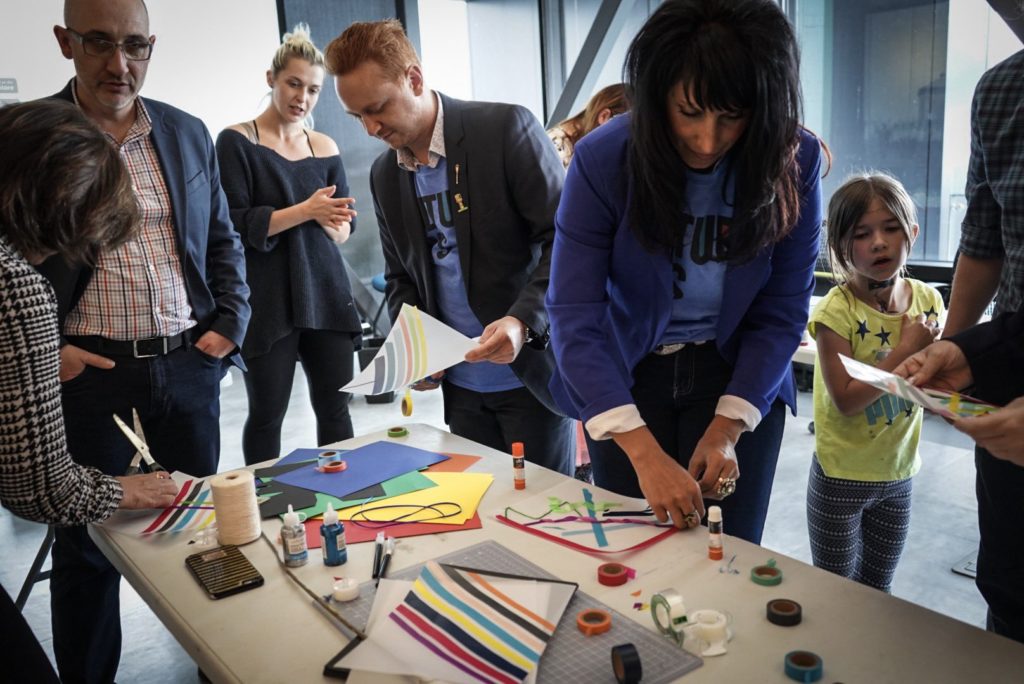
(612, 574)
(335, 467)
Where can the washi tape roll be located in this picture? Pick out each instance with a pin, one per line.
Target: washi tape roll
(325, 458)
(592, 622)
(803, 666)
(398, 432)
(626, 664)
(766, 575)
(346, 589)
(784, 612)
(335, 467)
(612, 574)
(407, 403)
(669, 613)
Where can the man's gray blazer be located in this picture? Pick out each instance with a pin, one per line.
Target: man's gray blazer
(509, 182)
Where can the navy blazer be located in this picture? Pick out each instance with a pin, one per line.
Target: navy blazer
(212, 261)
(610, 299)
(509, 182)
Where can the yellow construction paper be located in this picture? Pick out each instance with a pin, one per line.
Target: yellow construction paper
(464, 489)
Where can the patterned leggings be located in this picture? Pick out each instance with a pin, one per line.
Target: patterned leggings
(857, 529)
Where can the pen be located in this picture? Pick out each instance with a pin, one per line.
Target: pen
(611, 514)
(378, 549)
(387, 559)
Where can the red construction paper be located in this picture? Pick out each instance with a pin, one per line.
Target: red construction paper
(456, 463)
(354, 534)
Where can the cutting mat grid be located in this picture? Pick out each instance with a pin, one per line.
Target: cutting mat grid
(570, 656)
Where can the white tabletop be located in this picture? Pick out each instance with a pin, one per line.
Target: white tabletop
(275, 634)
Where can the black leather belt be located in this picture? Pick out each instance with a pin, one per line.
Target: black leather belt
(139, 349)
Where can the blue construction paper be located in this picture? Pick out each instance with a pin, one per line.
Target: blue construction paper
(367, 465)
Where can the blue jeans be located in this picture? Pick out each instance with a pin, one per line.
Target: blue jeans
(676, 395)
(177, 397)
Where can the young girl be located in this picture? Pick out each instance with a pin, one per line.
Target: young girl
(858, 495)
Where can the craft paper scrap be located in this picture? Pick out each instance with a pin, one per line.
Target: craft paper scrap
(460, 625)
(403, 484)
(452, 501)
(365, 466)
(417, 346)
(192, 510)
(570, 514)
(946, 404)
(358, 533)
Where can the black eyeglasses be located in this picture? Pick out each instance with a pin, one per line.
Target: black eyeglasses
(134, 49)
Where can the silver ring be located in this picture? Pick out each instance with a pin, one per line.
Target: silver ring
(726, 486)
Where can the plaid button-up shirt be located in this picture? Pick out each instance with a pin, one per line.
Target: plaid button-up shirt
(138, 290)
(993, 226)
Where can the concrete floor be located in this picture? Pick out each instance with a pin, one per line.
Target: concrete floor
(943, 529)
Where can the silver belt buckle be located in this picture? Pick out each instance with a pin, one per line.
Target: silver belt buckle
(667, 349)
(137, 355)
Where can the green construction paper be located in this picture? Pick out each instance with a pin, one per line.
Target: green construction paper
(403, 484)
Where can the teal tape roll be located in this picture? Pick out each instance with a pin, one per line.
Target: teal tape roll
(803, 666)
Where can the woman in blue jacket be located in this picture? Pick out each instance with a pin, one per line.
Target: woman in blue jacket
(683, 264)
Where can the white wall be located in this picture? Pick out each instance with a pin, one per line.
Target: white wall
(210, 56)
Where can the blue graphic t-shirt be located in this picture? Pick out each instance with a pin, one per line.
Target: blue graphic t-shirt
(435, 204)
(699, 275)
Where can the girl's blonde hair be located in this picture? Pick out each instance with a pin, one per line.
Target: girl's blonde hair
(850, 202)
(296, 44)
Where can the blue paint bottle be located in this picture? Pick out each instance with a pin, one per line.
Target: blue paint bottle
(333, 538)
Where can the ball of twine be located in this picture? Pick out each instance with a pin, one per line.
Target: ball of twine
(234, 503)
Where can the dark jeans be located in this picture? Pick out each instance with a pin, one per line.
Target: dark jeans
(326, 358)
(177, 397)
(1000, 489)
(496, 419)
(676, 396)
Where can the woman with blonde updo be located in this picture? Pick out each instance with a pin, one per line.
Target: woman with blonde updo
(286, 187)
(606, 103)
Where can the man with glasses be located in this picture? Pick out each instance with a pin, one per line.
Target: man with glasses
(148, 326)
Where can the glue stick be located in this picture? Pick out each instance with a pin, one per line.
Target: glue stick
(293, 538)
(332, 542)
(715, 533)
(518, 465)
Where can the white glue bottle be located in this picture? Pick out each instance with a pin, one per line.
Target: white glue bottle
(293, 538)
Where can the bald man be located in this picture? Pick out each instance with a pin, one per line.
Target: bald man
(152, 325)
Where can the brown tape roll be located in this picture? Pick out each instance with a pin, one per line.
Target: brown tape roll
(784, 612)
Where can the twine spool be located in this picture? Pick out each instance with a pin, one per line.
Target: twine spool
(234, 503)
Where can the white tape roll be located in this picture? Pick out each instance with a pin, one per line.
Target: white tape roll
(711, 628)
(234, 503)
(346, 589)
(669, 612)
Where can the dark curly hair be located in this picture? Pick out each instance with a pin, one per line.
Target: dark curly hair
(733, 55)
(63, 187)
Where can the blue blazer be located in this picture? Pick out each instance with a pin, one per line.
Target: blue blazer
(609, 299)
(212, 261)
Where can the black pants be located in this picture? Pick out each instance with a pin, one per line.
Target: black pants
(676, 395)
(1000, 489)
(326, 358)
(178, 400)
(24, 659)
(496, 419)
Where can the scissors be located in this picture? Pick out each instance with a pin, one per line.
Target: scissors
(142, 453)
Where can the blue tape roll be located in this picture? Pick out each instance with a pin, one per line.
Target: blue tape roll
(325, 457)
(804, 666)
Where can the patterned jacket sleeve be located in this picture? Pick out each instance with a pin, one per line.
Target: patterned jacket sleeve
(38, 479)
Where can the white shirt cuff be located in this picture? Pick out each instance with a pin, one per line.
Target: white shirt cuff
(737, 408)
(613, 421)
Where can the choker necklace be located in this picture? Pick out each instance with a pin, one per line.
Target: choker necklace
(881, 284)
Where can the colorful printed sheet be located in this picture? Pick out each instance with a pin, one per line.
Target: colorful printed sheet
(461, 625)
(572, 514)
(946, 404)
(192, 510)
(417, 346)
